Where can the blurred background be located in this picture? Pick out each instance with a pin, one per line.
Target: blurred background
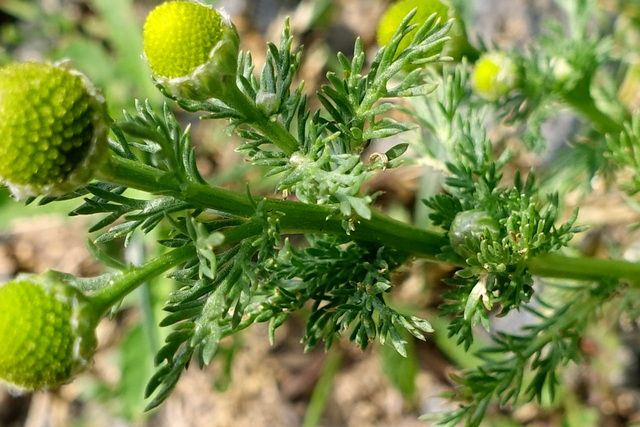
(254, 383)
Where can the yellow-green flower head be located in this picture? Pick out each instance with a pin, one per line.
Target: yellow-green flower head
(192, 49)
(46, 330)
(53, 130)
(494, 75)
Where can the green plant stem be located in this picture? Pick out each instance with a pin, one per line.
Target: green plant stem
(294, 217)
(130, 279)
(580, 99)
(149, 320)
(322, 389)
(583, 268)
(271, 128)
(123, 283)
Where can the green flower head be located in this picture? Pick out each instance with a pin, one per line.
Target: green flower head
(494, 75)
(192, 49)
(52, 127)
(47, 331)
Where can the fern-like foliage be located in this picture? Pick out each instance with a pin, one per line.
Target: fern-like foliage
(525, 365)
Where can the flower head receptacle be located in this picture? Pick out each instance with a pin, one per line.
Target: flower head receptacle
(53, 124)
(47, 331)
(192, 49)
(494, 75)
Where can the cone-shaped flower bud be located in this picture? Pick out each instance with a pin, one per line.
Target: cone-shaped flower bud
(47, 331)
(471, 225)
(494, 75)
(53, 130)
(192, 49)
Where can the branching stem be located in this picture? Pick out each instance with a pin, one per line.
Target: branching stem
(297, 218)
(125, 282)
(581, 100)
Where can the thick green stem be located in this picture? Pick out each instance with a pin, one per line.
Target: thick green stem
(295, 217)
(581, 100)
(124, 283)
(121, 284)
(583, 268)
